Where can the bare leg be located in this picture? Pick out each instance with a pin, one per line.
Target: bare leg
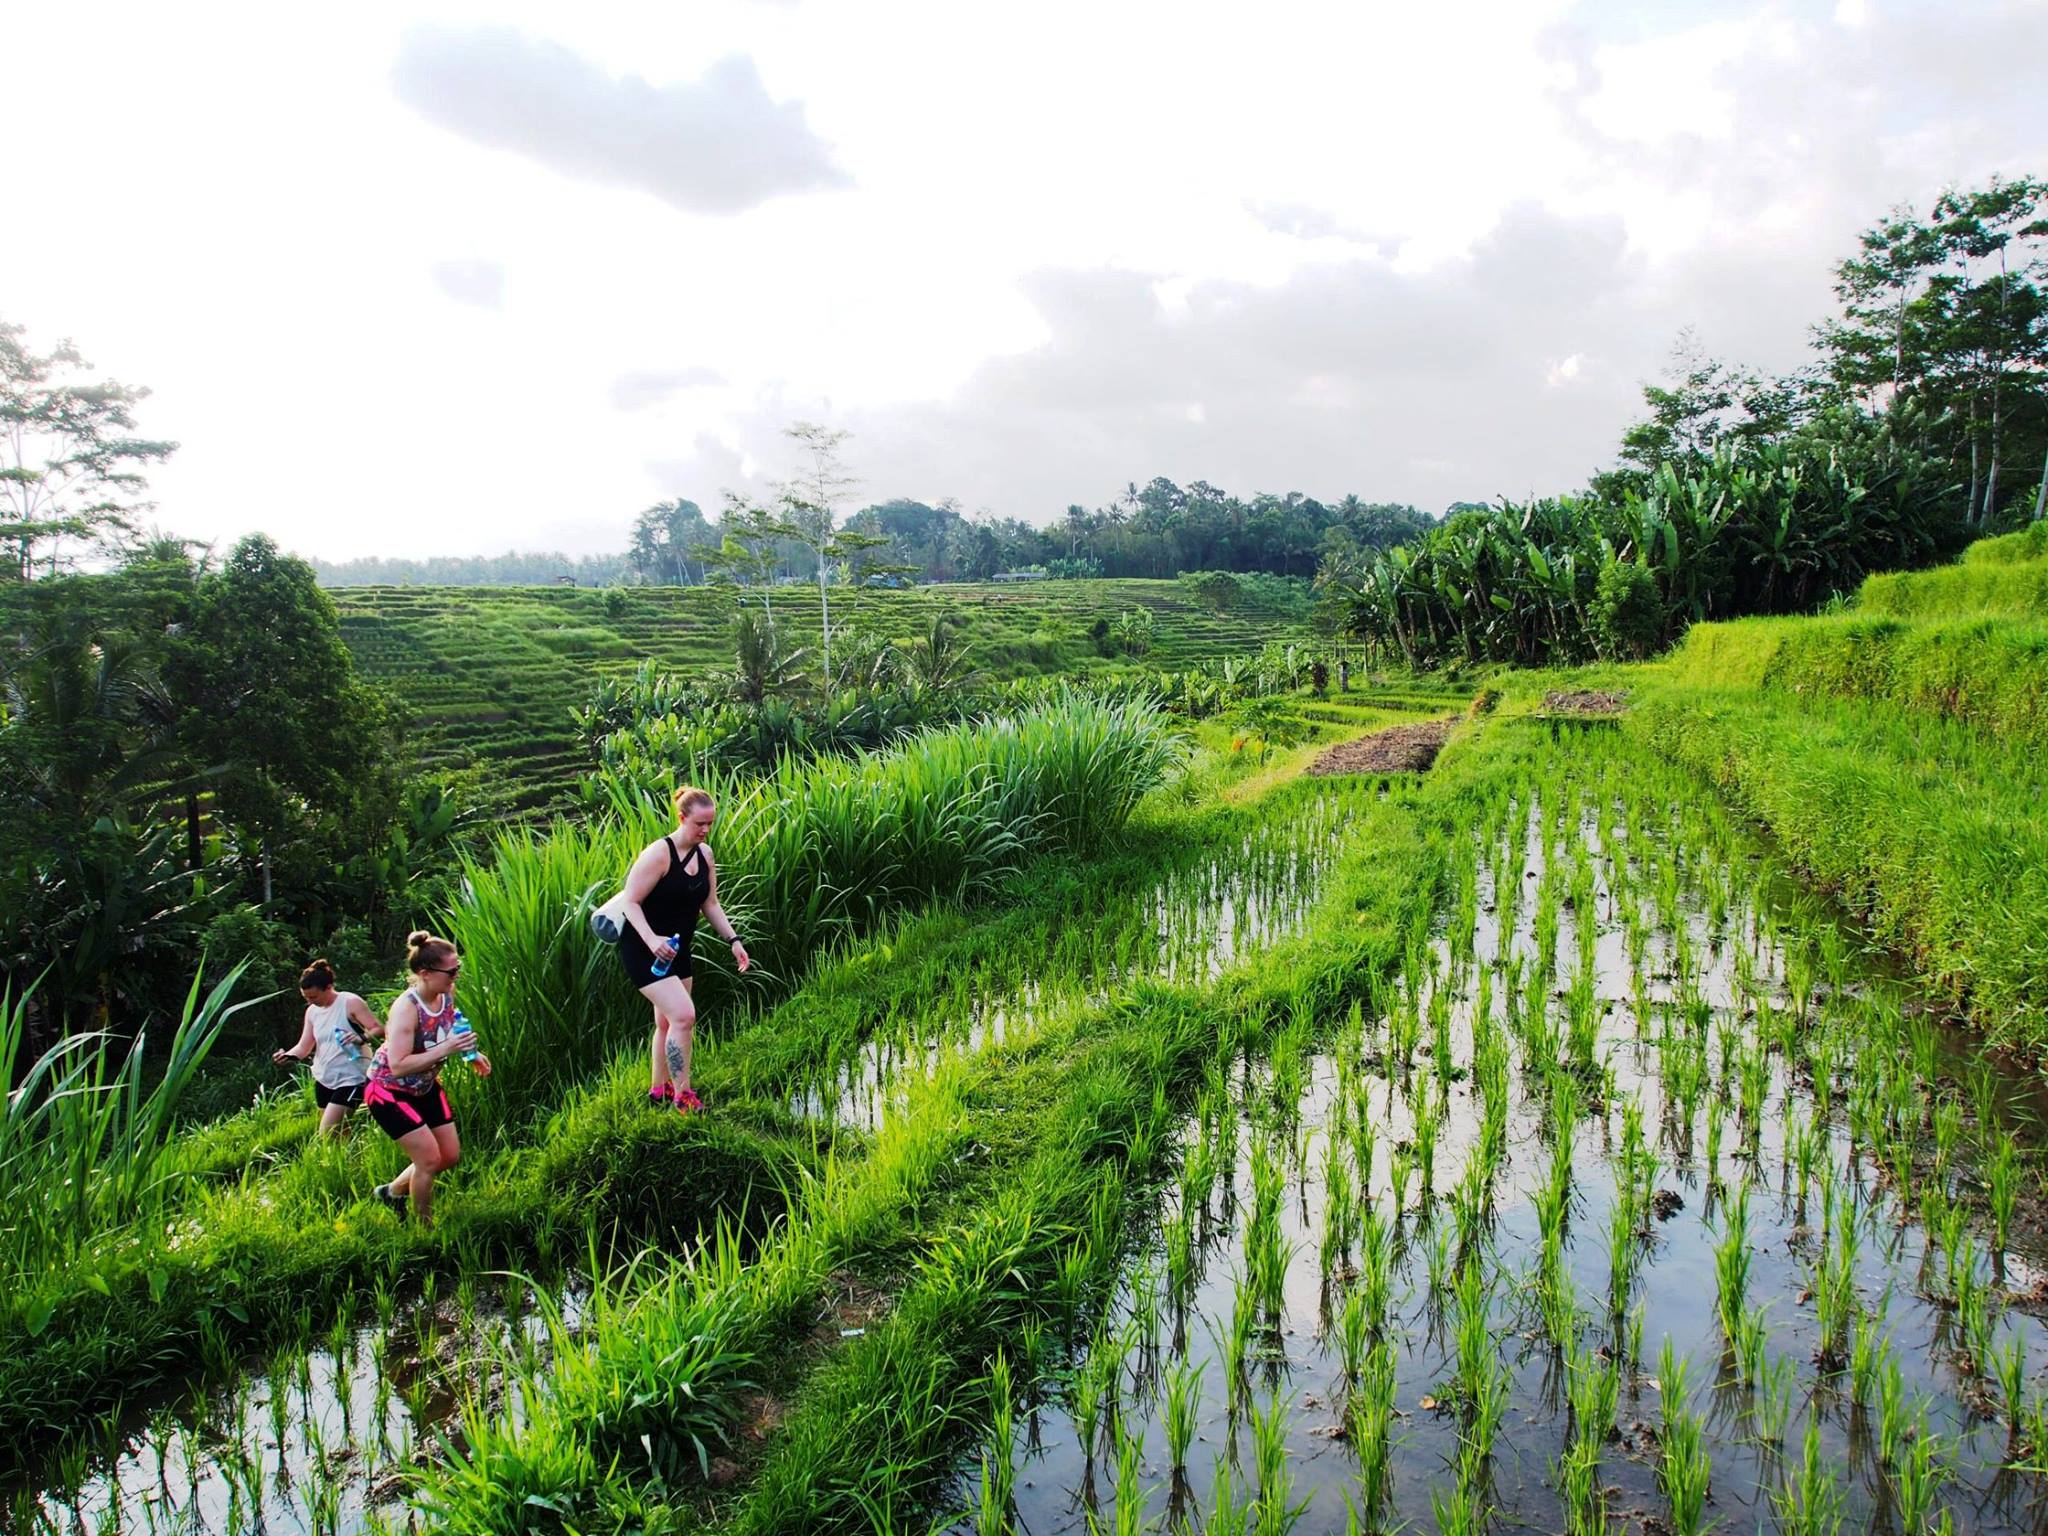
(659, 1080)
(332, 1119)
(424, 1148)
(447, 1153)
(675, 1027)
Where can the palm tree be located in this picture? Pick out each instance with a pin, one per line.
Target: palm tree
(761, 667)
(937, 662)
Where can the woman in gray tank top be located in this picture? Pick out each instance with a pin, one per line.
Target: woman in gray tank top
(337, 1026)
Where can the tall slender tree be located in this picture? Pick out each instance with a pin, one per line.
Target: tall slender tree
(809, 500)
(70, 464)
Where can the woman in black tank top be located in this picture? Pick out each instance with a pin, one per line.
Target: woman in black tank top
(671, 882)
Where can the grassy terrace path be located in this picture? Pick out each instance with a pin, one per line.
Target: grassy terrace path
(495, 671)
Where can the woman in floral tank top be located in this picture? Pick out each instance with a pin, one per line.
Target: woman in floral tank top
(405, 1095)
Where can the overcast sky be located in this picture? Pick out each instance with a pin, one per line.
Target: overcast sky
(438, 279)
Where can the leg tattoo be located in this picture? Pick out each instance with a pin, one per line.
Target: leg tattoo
(675, 1059)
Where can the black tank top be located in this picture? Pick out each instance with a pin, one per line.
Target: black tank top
(678, 896)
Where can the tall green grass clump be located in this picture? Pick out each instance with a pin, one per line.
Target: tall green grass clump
(83, 1141)
(815, 852)
(2030, 543)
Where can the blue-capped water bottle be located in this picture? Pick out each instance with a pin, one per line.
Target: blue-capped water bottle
(348, 1041)
(463, 1027)
(660, 966)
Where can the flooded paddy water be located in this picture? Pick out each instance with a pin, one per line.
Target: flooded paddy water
(323, 1439)
(1643, 1204)
(1196, 921)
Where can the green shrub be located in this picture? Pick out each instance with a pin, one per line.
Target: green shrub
(1218, 589)
(1628, 611)
(814, 851)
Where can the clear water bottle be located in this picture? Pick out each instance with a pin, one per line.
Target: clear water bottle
(660, 967)
(463, 1027)
(348, 1041)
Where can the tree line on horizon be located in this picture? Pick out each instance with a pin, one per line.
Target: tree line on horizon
(1159, 529)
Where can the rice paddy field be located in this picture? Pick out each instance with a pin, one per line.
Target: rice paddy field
(1631, 1123)
(494, 673)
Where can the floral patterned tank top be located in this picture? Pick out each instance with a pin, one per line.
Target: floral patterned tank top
(433, 1028)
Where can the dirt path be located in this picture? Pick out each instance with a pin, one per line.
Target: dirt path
(1397, 749)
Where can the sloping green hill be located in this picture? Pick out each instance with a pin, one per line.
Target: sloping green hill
(494, 672)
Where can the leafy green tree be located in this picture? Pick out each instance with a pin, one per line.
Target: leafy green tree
(745, 555)
(70, 466)
(1996, 323)
(666, 538)
(1946, 314)
(272, 703)
(93, 892)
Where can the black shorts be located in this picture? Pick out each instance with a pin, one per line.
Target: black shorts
(350, 1097)
(400, 1114)
(639, 962)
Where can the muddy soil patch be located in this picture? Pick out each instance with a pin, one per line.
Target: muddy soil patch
(1397, 749)
(1584, 701)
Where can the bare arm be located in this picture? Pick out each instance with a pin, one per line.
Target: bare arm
(714, 914)
(400, 1034)
(303, 1049)
(365, 1021)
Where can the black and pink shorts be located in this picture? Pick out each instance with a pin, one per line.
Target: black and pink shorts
(399, 1114)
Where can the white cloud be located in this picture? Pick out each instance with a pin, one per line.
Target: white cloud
(637, 391)
(1361, 239)
(481, 283)
(1564, 370)
(714, 145)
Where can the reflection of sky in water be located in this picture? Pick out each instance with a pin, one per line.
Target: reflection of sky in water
(357, 1410)
(1056, 1487)
(1191, 927)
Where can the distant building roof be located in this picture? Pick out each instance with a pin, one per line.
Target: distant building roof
(1018, 576)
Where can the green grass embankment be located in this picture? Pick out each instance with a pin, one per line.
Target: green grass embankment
(2009, 588)
(1987, 673)
(1895, 754)
(1936, 838)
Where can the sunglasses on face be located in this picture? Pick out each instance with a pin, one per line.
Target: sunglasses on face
(443, 970)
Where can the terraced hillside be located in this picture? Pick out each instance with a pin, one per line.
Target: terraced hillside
(495, 671)
(1894, 751)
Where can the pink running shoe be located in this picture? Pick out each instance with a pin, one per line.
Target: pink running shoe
(660, 1098)
(687, 1101)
